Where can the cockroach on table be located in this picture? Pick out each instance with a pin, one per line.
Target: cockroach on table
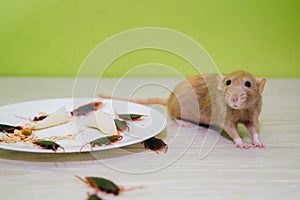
(46, 144)
(87, 108)
(155, 144)
(103, 141)
(104, 185)
(101, 184)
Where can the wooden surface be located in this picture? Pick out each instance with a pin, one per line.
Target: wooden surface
(197, 165)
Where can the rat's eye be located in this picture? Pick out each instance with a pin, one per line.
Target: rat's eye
(228, 82)
(247, 84)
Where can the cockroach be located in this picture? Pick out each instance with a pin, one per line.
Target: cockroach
(155, 144)
(103, 141)
(121, 125)
(46, 144)
(39, 118)
(9, 128)
(87, 108)
(131, 117)
(93, 197)
(101, 184)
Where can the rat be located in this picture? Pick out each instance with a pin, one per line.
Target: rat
(218, 100)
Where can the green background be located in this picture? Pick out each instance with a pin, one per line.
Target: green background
(53, 37)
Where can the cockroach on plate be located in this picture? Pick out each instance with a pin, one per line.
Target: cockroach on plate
(155, 144)
(103, 141)
(9, 128)
(37, 118)
(40, 117)
(46, 144)
(131, 117)
(87, 108)
(101, 184)
(121, 125)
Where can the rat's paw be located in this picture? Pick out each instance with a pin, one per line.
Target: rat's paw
(243, 146)
(240, 144)
(258, 145)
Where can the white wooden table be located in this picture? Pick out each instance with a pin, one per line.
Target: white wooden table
(191, 169)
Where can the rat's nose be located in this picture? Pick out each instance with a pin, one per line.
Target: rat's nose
(234, 98)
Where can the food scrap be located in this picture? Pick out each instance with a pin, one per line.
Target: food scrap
(14, 134)
(23, 135)
(54, 119)
(155, 144)
(103, 122)
(62, 137)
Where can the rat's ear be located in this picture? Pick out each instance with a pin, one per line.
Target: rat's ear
(220, 79)
(261, 84)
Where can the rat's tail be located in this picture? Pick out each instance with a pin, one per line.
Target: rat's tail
(140, 101)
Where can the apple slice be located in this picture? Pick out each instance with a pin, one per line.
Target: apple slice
(54, 119)
(103, 122)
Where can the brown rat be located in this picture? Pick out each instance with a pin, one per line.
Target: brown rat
(216, 99)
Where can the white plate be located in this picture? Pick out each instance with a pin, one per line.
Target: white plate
(153, 124)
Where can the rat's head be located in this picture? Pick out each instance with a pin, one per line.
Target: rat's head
(241, 89)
